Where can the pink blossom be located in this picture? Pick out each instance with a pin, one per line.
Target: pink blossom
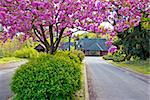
(9, 0)
(112, 33)
(112, 49)
(83, 14)
(108, 43)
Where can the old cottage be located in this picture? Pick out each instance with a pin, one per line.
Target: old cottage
(93, 46)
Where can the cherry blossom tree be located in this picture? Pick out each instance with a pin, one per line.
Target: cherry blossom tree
(50, 19)
(123, 14)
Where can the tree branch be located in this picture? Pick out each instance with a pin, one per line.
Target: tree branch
(43, 34)
(51, 35)
(36, 32)
(59, 39)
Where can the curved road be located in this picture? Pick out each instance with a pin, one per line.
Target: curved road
(6, 73)
(110, 83)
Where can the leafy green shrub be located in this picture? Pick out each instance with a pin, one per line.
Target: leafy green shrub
(5, 60)
(1, 53)
(135, 58)
(108, 57)
(10, 46)
(118, 56)
(119, 59)
(26, 53)
(80, 54)
(69, 55)
(47, 78)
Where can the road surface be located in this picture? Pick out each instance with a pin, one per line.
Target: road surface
(109, 83)
(6, 73)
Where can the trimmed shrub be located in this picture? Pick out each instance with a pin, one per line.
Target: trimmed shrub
(80, 54)
(26, 53)
(68, 55)
(47, 78)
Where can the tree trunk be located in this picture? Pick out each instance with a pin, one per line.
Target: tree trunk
(58, 39)
(52, 46)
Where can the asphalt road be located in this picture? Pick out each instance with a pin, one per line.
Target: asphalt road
(110, 83)
(6, 73)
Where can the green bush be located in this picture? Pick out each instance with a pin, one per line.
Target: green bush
(108, 57)
(118, 59)
(118, 56)
(1, 53)
(47, 78)
(26, 53)
(10, 46)
(67, 54)
(80, 54)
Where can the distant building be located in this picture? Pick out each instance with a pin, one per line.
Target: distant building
(92, 46)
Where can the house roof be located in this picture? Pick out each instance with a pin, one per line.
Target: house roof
(40, 46)
(94, 44)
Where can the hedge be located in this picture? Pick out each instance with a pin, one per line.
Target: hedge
(80, 54)
(68, 55)
(47, 78)
(76, 56)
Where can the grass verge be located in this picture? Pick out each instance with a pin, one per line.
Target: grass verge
(80, 95)
(9, 60)
(141, 66)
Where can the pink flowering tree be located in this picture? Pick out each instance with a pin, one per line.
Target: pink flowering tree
(51, 19)
(123, 15)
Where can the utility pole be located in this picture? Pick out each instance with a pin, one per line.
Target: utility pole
(69, 43)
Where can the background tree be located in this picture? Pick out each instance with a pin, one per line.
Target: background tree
(135, 41)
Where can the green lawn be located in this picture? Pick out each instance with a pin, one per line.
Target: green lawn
(138, 66)
(9, 60)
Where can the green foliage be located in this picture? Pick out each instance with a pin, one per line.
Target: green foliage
(134, 58)
(80, 54)
(26, 53)
(108, 57)
(9, 59)
(8, 48)
(47, 78)
(119, 56)
(1, 53)
(68, 55)
(135, 41)
(141, 66)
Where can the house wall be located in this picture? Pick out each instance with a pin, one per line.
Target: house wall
(102, 53)
(95, 53)
(92, 53)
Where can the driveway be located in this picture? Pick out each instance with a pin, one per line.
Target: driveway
(107, 82)
(6, 73)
